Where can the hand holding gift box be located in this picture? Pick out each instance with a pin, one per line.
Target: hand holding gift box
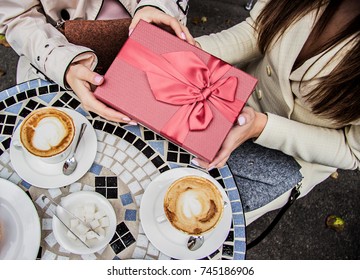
(176, 89)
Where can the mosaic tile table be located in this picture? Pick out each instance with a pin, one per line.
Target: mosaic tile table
(128, 158)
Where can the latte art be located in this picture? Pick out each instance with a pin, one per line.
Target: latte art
(47, 132)
(193, 205)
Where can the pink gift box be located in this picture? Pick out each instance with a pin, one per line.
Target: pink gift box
(175, 89)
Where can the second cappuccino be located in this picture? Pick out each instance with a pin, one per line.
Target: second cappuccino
(193, 205)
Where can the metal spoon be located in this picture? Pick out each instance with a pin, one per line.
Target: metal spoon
(195, 242)
(71, 163)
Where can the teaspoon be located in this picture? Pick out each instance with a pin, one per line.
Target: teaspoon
(195, 242)
(71, 163)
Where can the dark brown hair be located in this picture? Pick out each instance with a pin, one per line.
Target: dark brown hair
(338, 96)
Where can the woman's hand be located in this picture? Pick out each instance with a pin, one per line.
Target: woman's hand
(251, 124)
(154, 15)
(81, 79)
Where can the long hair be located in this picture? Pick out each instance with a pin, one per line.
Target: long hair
(337, 97)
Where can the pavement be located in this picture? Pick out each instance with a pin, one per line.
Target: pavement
(302, 233)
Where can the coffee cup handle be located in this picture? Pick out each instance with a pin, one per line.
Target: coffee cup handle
(17, 145)
(160, 219)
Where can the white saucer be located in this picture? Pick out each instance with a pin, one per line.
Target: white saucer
(45, 175)
(19, 222)
(71, 202)
(162, 235)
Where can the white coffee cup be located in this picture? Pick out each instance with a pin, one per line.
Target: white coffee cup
(46, 134)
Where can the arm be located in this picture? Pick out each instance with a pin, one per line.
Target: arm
(339, 148)
(237, 44)
(30, 35)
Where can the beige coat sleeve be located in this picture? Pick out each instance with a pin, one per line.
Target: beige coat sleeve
(238, 44)
(27, 31)
(339, 148)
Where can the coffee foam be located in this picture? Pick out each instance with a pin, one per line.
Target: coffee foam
(193, 205)
(47, 132)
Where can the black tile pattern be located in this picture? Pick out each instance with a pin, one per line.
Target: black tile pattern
(65, 97)
(163, 169)
(228, 250)
(54, 88)
(21, 96)
(43, 90)
(139, 144)
(230, 236)
(24, 112)
(158, 161)
(122, 238)
(6, 143)
(119, 131)
(109, 128)
(7, 124)
(11, 119)
(98, 124)
(148, 152)
(2, 105)
(10, 101)
(58, 103)
(177, 154)
(149, 135)
(107, 186)
(31, 104)
(31, 93)
(130, 137)
(74, 103)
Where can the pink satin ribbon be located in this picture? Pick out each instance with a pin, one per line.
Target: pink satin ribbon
(183, 79)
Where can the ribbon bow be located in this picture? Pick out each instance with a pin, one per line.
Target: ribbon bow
(183, 79)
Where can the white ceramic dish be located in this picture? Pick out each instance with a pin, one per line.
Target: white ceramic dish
(20, 224)
(165, 237)
(45, 175)
(73, 201)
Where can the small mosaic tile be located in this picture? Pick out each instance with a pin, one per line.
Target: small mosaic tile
(130, 215)
(148, 152)
(96, 168)
(227, 250)
(129, 137)
(126, 199)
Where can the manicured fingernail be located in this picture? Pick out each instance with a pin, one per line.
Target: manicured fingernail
(195, 162)
(241, 120)
(98, 79)
(183, 36)
(131, 31)
(132, 123)
(126, 119)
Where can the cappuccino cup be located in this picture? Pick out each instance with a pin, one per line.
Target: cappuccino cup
(193, 205)
(47, 134)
